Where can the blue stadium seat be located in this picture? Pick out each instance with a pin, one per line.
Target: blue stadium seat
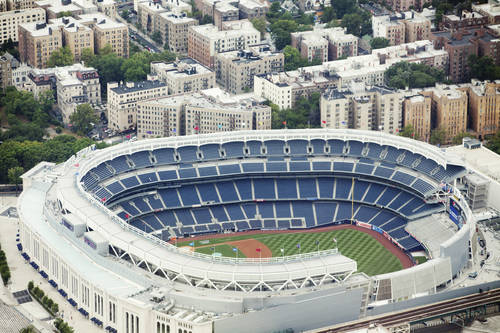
(264, 188)
(387, 196)
(119, 164)
(207, 171)
(102, 171)
(283, 224)
(408, 159)
(270, 224)
(325, 212)
(392, 154)
(411, 206)
(167, 218)
(359, 189)
(344, 211)
(398, 233)
(426, 166)
(170, 197)
(409, 243)
(184, 216)
(383, 172)
(402, 199)
(130, 182)
(141, 159)
(366, 169)
(304, 209)
(201, 228)
(366, 213)
(422, 186)
(202, 215)
(164, 156)
(307, 188)
(325, 185)
(155, 203)
(254, 148)
(355, 148)
(103, 193)
(322, 166)
(131, 210)
(393, 223)
(189, 195)
(234, 211)
(207, 192)
(374, 151)
(152, 221)
(233, 149)
(188, 154)
(168, 175)
(266, 209)
(227, 191)
(185, 173)
(343, 188)
(228, 169)
(342, 166)
(253, 167)
(210, 152)
(373, 192)
(403, 178)
(300, 166)
(275, 147)
(150, 177)
(283, 209)
(140, 225)
(318, 146)
(141, 205)
(298, 147)
(242, 225)
(336, 147)
(255, 224)
(276, 167)
(244, 187)
(214, 227)
(382, 218)
(219, 213)
(115, 187)
(228, 226)
(250, 209)
(287, 188)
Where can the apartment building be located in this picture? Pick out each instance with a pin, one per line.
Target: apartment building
(362, 107)
(205, 41)
(123, 98)
(57, 8)
(9, 22)
(404, 5)
(76, 36)
(325, 44)
(183, 76)
(250, 9)
(7, 65)
(285, 88)
(224, 12)
(417, 27)
(406, 27)
(174, 31)
(147, 15)
(417, 113)
(37, 41)
(235, 70)
(449, 108)
(465, 20)
(206, 111)
(107, 32)
(491, 10)
(484, 107)
(463, 43)
(20, 4)
(107, 7)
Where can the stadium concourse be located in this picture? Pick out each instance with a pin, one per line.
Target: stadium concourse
(99, 227)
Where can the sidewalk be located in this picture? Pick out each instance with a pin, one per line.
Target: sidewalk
(22, 273)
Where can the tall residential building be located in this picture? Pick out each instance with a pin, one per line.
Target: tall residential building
(7, 64)
(389, 27)
(9, 22)
(235, 70)
(205, 41)
(107, 32)
(37, 41)
(465, 20)
(484, 107)
(285, 88)
(490, 10)
(174, 31)
(449, 109)
(362, 107)
(417, 113)
(207, 111)
(77, 37)
(147, 15)
(417, 27)
(123, 98)
(107, 7)
(183, 76)
(58, 8)
(325, 44)
(250, 9)
(224, 12)
(404, 5)
(463, 43)
(20, 4)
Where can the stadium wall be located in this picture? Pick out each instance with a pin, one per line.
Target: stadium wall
(457, 249)
(308, 312)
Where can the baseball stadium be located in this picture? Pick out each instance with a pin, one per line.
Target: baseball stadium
(251, 231)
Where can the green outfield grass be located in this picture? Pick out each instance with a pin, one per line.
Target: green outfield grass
(224, 249)
(371, 256)
(420, 259)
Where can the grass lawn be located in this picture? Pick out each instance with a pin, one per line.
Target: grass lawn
(420, 259)
(371, 256)
(224, 249)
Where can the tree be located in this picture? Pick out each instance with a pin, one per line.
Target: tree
(328, 14)
(457, 140)
(60, 57)
(294, 60)
(404, 75)
(64, 14)
(55, 308)
(125, 14)
(30, 285)
(343, 7)
(14, 175)
(438, 136)
(206, 20)
(353, 24)
(260, 24)
(305, 114)
(82, 118)
(28, 329)
(379, 43)
(156, 37)
(408, 131)
(483, 68)
(494, 143)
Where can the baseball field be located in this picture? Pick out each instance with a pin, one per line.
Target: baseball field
(373, 253)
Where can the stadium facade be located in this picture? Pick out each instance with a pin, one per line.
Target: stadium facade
(98, 227)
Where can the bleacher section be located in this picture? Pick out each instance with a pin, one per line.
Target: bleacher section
(273, 184)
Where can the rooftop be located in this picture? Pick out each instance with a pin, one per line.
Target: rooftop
(242, 27)
(137, 86)
(182, 68)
